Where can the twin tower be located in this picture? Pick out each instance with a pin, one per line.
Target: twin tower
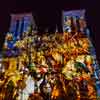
(21, 22)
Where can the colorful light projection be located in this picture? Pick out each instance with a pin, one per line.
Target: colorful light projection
(20, 23)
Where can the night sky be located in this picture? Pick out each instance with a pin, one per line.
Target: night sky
(48, 12)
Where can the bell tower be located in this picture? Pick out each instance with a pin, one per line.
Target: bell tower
(21, 22)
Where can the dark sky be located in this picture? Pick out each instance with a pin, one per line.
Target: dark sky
(45, 10)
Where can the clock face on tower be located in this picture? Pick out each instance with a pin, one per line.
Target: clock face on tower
(20, 23)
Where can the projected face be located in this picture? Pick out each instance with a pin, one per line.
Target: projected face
(68, 21)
